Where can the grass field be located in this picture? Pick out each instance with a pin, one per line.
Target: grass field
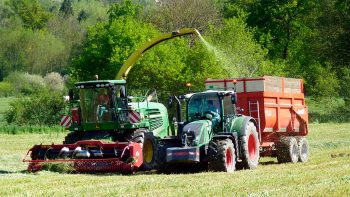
(326, 174)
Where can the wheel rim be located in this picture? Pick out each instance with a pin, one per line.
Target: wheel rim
(294, 153)
(251, 146)
(148, 151)
(303, 151)
(228, 158)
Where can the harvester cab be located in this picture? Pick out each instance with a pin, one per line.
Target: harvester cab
(213, 136)
(102, 105)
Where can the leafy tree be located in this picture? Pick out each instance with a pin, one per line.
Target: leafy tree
(31, 51)
(82, 16)
(279, 23)
(31, 12)
(345, 85)
(235, 48)
(108, 46)
(42, 108)
(124, 9)
(168, 67)
(25, 83)
(170, 15)
(66, 8)
(8, 18)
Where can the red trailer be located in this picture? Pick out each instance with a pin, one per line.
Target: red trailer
(278, 106)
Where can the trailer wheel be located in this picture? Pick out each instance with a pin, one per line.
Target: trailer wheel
(149, 148)
(221, 156)
(250, 147)
(303, 149)
(287, 150)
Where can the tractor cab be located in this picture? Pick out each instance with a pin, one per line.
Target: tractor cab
(101, 101)
(216, 106)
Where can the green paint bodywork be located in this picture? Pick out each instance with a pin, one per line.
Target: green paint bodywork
(203, 131)
(154, 116)
(236, 125)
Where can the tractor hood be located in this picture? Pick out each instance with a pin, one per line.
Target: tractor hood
(196, 133)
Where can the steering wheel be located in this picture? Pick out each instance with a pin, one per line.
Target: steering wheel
(213, 114)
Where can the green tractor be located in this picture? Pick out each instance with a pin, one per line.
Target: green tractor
(213, 136)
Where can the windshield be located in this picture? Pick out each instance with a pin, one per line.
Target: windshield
(199, 104)
(95, 104)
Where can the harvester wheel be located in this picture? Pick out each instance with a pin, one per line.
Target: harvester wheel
(71, 138)
(303, 149)
(221, 155)
(250, 147)
(287, 150)
(149, 148)
(162, 166)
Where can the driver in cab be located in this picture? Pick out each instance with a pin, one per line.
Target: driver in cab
(214, 111)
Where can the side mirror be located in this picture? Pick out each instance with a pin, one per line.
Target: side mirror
(234, 98)
(170, 101)
(71, 94)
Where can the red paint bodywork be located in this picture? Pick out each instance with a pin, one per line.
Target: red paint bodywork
(281, 113)
(95, 164)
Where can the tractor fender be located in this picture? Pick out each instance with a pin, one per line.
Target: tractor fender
(239, 124)
(231, 136)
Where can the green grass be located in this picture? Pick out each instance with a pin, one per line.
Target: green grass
(326, 174)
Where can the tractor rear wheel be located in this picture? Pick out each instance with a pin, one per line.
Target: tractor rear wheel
(250, 147)
(303, 149)
(221, 156)
(287, 150)
(149, 147)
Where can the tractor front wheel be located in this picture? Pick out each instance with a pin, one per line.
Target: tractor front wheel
(222, 156)
(149, 148)
(287, 150)
(250, 147)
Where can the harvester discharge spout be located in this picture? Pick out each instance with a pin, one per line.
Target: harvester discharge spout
(128, 64)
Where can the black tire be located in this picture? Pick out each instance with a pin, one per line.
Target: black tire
(221, 156)
(303, 149)
(162, 166)
(72, 138)
(149, 148)
(250, 147)
(287, 150)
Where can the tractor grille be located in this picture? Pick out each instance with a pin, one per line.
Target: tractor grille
(155, 123)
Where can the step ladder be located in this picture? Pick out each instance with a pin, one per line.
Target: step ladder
(254, 108)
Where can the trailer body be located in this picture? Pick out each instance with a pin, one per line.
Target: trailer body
(276, 103)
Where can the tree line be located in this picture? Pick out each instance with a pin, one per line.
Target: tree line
(306, 39)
